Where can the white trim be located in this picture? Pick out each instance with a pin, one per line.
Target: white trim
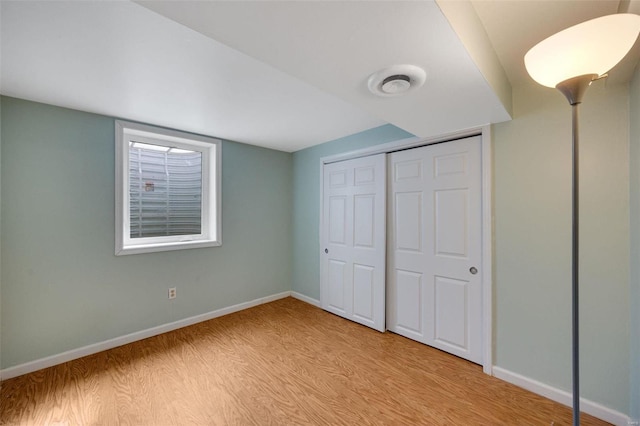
(307, 299)
(323, 296)
(176, 245)
(487, 216)
(487, 249)
(563, 397)
(39, 364)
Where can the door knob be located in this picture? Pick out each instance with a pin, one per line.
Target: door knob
(473, 270)
(326, 251)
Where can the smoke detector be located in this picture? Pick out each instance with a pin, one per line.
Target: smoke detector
(396, 80)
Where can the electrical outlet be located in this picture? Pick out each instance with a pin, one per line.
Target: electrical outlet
(172, 293)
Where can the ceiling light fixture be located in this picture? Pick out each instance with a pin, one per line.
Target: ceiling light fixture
(396, 84)
(396, 80)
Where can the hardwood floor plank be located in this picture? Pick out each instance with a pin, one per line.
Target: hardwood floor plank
(283, 363)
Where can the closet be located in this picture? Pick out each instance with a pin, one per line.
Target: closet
(401, 237)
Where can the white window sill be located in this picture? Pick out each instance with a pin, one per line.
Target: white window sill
(178, 245)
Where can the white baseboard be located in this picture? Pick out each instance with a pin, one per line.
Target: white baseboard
(309, 300)
(563, 397)
(52, 360)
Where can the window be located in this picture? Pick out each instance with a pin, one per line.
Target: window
(167, 189)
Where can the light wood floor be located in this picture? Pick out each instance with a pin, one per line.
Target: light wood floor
(282, 363)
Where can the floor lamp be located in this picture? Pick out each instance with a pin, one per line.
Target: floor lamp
(569, 61)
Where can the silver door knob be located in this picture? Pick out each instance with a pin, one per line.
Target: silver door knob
(473, 270)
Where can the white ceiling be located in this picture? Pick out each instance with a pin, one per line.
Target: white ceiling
(122, 60)
(284, 75)
(336, 46)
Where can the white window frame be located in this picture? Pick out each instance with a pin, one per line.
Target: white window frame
(211, 222)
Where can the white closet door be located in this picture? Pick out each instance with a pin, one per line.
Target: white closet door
(434, 285)
(353, 240)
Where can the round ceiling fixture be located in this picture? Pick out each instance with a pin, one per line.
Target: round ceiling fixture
(396, 80)
(396, 84)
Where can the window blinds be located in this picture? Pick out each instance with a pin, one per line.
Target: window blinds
(165, 193)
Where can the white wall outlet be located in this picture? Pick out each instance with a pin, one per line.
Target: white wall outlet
(172, 293)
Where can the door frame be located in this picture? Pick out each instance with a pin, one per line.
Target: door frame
(487, 216)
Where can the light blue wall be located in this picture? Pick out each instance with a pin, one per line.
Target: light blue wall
(634, 294)
(532, 155)
(306, 201)
(62, 286)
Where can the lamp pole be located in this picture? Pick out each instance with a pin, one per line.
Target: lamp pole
(575, 263)
(574, 89)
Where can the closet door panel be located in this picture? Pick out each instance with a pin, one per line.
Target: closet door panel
(353, 262)
(434, 249)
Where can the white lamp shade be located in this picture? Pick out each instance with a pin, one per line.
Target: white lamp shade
(592, 47)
